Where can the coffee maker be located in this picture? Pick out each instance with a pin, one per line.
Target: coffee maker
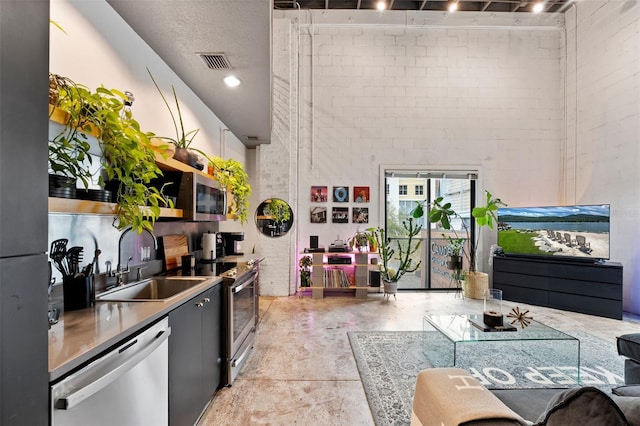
(231, 242)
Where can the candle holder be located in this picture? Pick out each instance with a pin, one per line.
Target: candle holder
(492, 313)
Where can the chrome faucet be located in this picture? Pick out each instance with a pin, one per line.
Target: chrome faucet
(119, 269)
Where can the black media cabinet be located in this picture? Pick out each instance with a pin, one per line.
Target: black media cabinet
(589, 288)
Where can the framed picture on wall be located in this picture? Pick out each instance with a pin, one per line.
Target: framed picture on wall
(360, 215)
(318, 194)
(340, 215)
(318, 214)
(361, 194)
(340, 194)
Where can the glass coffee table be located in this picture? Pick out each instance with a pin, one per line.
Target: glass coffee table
(538, 352)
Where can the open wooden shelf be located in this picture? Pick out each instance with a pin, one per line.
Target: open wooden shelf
(72, 205)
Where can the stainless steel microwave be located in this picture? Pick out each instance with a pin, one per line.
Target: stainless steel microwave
(201, 198)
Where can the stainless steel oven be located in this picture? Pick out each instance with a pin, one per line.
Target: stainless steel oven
(241, 314)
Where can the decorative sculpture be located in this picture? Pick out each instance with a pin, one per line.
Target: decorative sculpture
(520, 317)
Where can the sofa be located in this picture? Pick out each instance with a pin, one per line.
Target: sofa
(452, 396)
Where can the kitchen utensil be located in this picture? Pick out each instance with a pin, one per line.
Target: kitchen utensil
(74, 257)
(88, 270)
(52, 280)
(94, 264)
(57, 253)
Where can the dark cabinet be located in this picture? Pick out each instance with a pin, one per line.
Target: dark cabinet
(24, 65)
(195, 355)
(586, 287)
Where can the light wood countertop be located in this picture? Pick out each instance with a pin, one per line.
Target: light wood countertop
(79, 336)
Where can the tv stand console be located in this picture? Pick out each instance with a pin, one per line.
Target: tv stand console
(589, 288)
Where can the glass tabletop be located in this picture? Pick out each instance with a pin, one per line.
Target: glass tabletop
(458, 328)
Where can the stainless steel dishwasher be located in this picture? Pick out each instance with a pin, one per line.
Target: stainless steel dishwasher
(129, 385)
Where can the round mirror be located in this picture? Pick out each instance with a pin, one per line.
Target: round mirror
(274, 217)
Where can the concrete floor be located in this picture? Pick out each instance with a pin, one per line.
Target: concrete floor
(302, 370)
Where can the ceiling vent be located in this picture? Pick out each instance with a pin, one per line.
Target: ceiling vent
(215, 61)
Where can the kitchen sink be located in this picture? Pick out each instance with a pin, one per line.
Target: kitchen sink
(156, 289)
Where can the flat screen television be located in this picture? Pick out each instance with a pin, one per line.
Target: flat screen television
(578, 232)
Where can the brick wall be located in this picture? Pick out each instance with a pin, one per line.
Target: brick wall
(603, 124)
(373, 95)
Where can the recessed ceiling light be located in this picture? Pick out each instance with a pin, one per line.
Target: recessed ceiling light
(381, 5)
(453, 6)
(232, 81)
(537, 8)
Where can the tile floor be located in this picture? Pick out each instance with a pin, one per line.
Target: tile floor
(302, 370)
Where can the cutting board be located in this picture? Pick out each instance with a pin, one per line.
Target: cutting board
(173, 248)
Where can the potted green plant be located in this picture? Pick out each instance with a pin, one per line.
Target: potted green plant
(128, 159)
(69, 156)
(359, 240)
(455, 248)
(305, 271)
(396, 264)
(182, 140)
(441, 213)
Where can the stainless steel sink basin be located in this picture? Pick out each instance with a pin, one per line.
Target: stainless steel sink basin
(151, 290)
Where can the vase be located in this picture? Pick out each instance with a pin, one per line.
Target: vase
(492, 311)
(474, 285)
(390, 287)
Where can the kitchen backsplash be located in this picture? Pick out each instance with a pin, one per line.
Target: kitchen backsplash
(96, 232)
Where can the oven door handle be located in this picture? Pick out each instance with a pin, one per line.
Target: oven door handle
(72, 399)
(242, 286)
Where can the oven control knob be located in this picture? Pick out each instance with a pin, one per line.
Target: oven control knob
(206, 300)
(199, 305)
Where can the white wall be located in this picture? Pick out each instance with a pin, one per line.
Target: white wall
(483, 92)
(277, 171)
(603, 124)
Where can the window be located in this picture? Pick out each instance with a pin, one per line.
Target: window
(408, 188)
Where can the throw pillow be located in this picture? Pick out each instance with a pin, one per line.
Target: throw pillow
(587, 406)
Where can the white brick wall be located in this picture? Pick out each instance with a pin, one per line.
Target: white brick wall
(603, 124)
(483, 90)
(429, 96)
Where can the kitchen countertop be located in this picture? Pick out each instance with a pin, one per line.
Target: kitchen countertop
(81, 335)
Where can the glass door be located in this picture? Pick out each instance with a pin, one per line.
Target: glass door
(404, 190)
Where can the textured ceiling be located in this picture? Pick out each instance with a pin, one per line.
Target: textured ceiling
(179, 29)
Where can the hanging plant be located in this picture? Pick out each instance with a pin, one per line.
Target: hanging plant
(128, 159)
